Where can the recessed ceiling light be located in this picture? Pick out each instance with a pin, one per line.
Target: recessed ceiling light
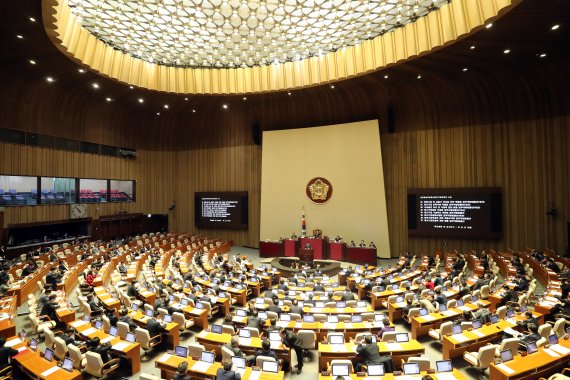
(49, 79)
(225, 106)
(472, 47)
(419, 76)
(554, 27)
(166, 106)
(131, 87)
(108, 99)
(507, 51)
(19, 36)
(288, 92)
(95, 85)
(32, 61)
(489, 25)
(32, 19)
(542, 55)
(465, 69)
(141, 100)
(185, 98)
(82, 71)
(332, 86)
(386, 76)
(158, 114)
(193, 111)
(244, 98)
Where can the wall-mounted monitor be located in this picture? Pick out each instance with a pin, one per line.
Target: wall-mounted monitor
(221, 210)
(18, 190)
(472, 213)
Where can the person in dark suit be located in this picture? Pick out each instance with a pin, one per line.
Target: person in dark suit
(265, 351)
(319, 287)
(226, 373)
(154, 327)
(531, 337)
(254, 320)
(181, 372)
(292, 341)
(522, 284)
(5, 353)
(270, 294)
(95, 308)
(102, 349)
(233, 346)
(295, 308)
(50, 308)
(283, 286)
(369, 353)
(131, 291)
(347, 295)
(274, 307)
(440, 298)
(508, 295)
(69, 337)
(124, 317)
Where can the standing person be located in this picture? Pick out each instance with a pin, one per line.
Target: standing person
(369, 352)
(292, 341)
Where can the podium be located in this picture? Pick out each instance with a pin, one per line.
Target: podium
(291, 246)
(306, 254)
(337, 251)
(361, 255)
(319, 246)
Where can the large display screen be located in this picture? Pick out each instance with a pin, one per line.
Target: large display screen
(474, 213)
(221, 210)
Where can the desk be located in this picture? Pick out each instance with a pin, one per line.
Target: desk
(271, 249)
(131, 352)
(320, 246)
(7, 326)
(306, 254)
(214, 342)
(168, 365)
(455, 345)
(28, 285)
(398, 351)
(337, 251)
(35, 366)
(361, 255)
(291, 246)
(172, 329)
(106, 299)
(389, 376)
(542, 363)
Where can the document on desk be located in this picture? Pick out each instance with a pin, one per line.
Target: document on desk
(299, 325)
(13, 342)
(338, 348)
(120, 346)
(557, 347)
(107, 339)
(478, 333)
(48, 372)
(282, 324)
(254, 375)
(348, 325)
(164, 358)
(446, 376)
(464, 308)
(511, 331)
(394, 346)
(89, 331)
(450, 313)
(428, 317)
(551, 353)
(245, 341)
(201, 366)
(506, 368)
(460, 338)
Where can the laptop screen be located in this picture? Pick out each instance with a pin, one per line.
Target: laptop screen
(217, 329)
(33, 344)
(361, 304)
(99, 325)
(319, 304)
(207, 356)
(48, 354)
(494, 318)
(474, 299)
(238, 362)
(285, 317)
(506, 355)
(113, 331)
(379, 317)
(87, 318)
(336, 339)
(149, 313)
(341, 304)
(423, 312)
(531, 348)
(184, 301)
(523, 308)
(510, 313)
(400, 338)
(459, 303)
(442, 307)
(456, 329)
(244, 333)
(199, 305)
(477, 324)
(67, 364)
(309, 318)
(274, 336)
(399, 299)
(291, 293)
(181, 351)
(262, 315)
(167, 318)
(332, 318)
(411, 368)
(340, 370)
(395, 287)
(130, 337)
(356, 318)
(259, 301)
(553, 339)
(270, 366)
(444, 366)
(375, 369)
(241, 313)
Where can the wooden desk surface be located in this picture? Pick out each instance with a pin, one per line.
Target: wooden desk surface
(389, 376)
(170, 363)
(36, 366)
(7, 312)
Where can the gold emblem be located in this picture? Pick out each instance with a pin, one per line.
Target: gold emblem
(319, 190)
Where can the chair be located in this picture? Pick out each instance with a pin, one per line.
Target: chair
(545, 331)
(146, 376)
(195, 350)
(106, 323)
(78, 358)
(6, 373)
(424, 363)
(485, 289)
(508, 344)
(226, 354)
(254, 331)
(60, 348)
(146, 341)
(184, 324)
(483, 358)
(308, 339)
(559, 326)
(97, 368)
(389, 336)
(49, 338)
(334, 334)
(444, 329)
(343, 361)
(502, 312)
(260, 359)
(228, 329)
(122, 329)
(559, 376)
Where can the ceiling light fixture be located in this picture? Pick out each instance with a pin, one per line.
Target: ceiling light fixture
(141, 100)
(82, 71)
(166, 106)
(506, 51)
(555, 27)
(289, 93)
(19, 36)
(225, 106)
(465, 69)
(95, 85)
(108, 99)
(419, 76)
(186, 99)
(472, 47)
(32, 19)
(386, 76)
(256, 33)
(49, 79)
(244, 98)
(542, 55)
(131, 87)
(193, 111)
(158, 114)
(32, 61)
(489, 25)
(332, 86)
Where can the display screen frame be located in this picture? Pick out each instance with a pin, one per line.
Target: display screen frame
(240, 221)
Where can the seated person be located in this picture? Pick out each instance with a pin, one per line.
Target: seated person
(295, 308)
(264, 351)
(181, 372)
(226, 373)
(50, 307)
(5, 353)
(94, 305)
(154, 327)
(348, 295)
(95, 345)
(69, 337)
(233, 346)
(369, 353)
(254, 320)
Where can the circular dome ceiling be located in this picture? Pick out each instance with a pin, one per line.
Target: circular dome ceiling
(241, 33)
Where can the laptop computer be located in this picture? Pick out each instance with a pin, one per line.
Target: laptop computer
(244, 333)
(506, 355)
(444, 366)
(238, 362)
(379, 317)
(309, 318)
(167, 318)
(411, 368)
(332, 318)
(217, 329)
(130, 337)
(456, 329)
(48, 354)
(113, 331)
(320, 304)
(262, 315)
(336, 339)
(552, 339)
(477, 324)
(423, 311)
(531, 348)
(340, 370)
(67, 364)
(494, 318)
(149, 313)
(402, 337)
(33, 344)
(199, 305)
(181, 351)
(474, 299)
(99, 325)
(270, 366)
(241, 313)
(510, 313)
(207, 356)
(184, 301)
(285, 317)
(274, 336)
(341, 305)
(356, 318)
(87, 318)
(442, 307)
(259, 301)
(360, 303)
(400, 299)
